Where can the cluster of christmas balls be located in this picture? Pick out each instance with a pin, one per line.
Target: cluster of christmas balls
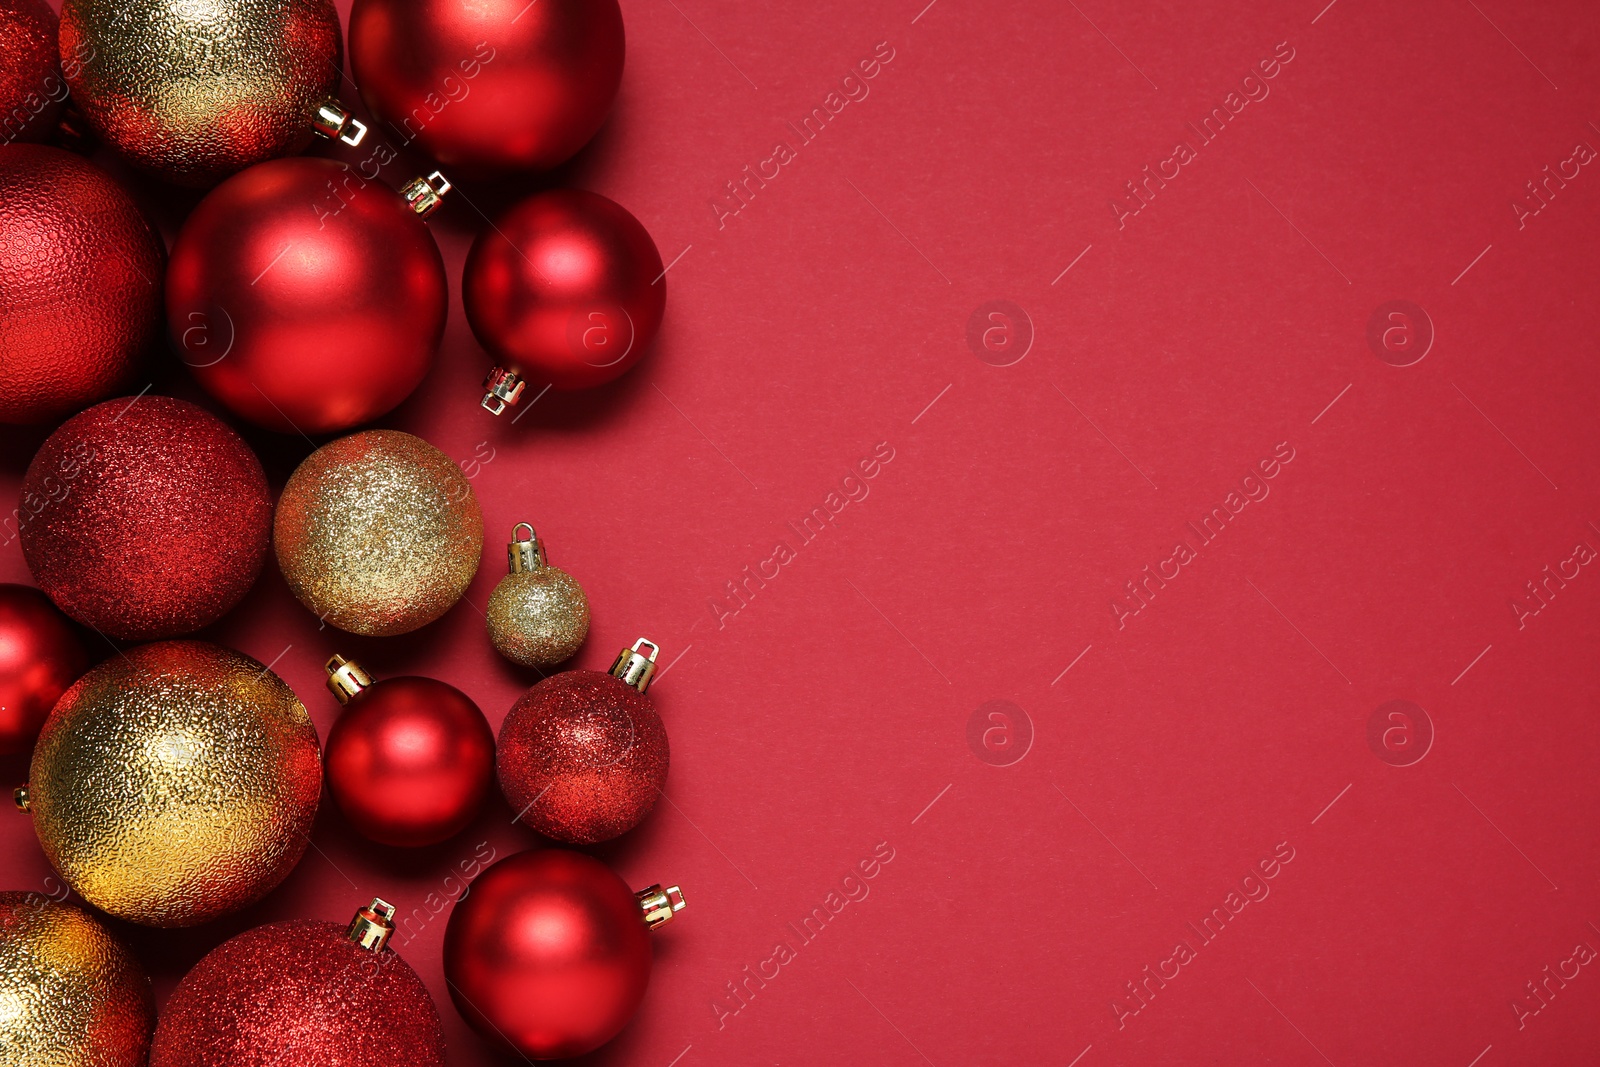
(176, 782)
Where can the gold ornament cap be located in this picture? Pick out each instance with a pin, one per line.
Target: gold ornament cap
(424, 195)
(334, 121)
(660, 905)
(503, 389)
(346, 678)
(634, 667)
(525, 553)
(373, 925)
(19, 797)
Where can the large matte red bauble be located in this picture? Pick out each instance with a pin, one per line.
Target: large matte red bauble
(32, 90)
(300, 993)
(305, 298)
(80, 284)
(145, 517)
(549, 953)
(566, 288)
(583, 756)
(40, 657)
(410, 760)
(486, 88)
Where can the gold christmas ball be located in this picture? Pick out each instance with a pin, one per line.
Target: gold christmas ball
(197, 91)
(174, 783)
(538, 615)
(378, 533)
(70, 994)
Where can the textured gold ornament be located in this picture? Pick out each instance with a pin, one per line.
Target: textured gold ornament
(378, 533)
(70, 994)
(538, 615)
(175, 783)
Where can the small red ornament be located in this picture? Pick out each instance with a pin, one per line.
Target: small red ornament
(305, 298)
(80, 282)
(32, 90)
(409, 759)
(583, 755)
(549, 954)
(486, 88)
(566, 288)
(145, 517)
(39, 657)
(299, 992)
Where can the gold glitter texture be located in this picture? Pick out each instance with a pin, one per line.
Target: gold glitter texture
(378, 533)
(538, 617)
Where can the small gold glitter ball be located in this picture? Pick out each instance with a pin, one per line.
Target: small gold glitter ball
(175, 782)
(378, 533)
(538, 615)
(70, 994)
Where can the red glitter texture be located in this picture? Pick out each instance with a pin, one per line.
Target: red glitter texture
(31, 87)
(298, 992)
(583, 756)
(145, 518)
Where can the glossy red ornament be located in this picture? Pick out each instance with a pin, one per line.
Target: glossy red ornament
(409, 760)
(582, 755)
(145, 517)
(305, 298)
(32, 91)
(549, 954)
(40, 656)
(566, 288)
(487, 88)
(80, 282)
(311, 994)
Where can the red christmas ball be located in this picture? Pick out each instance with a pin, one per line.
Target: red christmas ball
(301, 992)
(80, 282)
(305, 298)
(409, 759)
(583, 755)
(489, 87)
(40, 657)
(549, 954)
(566, 288)
(32, 90)
(145, 517)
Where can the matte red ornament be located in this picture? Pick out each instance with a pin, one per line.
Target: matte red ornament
(32, 91)
(410, 760)
(488, 88)
(549, 954)
(303, 993)
(80, 282)
(40, 656)
(566, 288)
(305, 298)
(145, 517)
(583, 755)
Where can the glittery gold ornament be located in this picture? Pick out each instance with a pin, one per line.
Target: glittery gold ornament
(174, 783)
(70, 994)
(198, 91)
(538, 615)
(378, 533)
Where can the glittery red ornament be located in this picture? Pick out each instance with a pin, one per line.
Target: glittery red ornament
(566, 288)
(489, 87)
(409, 760)
(32, 90)
(80, 282)
(583, 755)
(305, 993)
(305, 298)
(39, 657)
(549, 954)
(145, 517)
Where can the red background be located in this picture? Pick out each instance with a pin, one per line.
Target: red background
(1178, 751)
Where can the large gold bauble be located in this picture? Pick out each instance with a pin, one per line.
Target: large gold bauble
(70, 994)
(378, 533)
(175, 782)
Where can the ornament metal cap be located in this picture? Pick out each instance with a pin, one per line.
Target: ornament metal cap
(372, 925)
(19, 797)
(660, 905)
(504, 390)
(525, 553)
(424, 195)
(333, 120)
(634, 667)
(346, 678)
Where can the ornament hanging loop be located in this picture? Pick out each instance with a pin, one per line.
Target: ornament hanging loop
(424, 195)
(372, 925)
(660, 905)
(502, 389)
(333, 121)
(635, 668)
(346, 678)
(525, 553)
